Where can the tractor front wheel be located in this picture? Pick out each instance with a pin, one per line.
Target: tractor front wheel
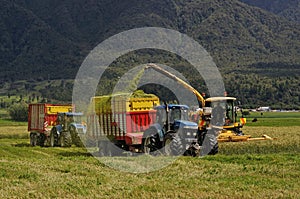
(65, 139)
(173, 145)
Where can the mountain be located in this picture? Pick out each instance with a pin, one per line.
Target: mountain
(290, 9)
(48, 40)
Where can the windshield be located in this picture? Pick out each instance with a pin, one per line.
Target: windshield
(230, 112)
(178, 114)
(174, 114)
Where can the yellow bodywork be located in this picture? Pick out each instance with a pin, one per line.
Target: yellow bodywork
(124, 103)
(54, 109)
(230, 136)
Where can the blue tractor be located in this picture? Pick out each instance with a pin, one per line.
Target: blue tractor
(67, 130)
(172, 133)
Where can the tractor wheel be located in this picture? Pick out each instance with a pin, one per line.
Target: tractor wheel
(173, 145)
(75, 137)
(33, 139)
(53, 138)
(167, 144)
(150, 144)
(65, 139)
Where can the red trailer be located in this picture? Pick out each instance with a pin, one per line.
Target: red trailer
(41, 118)
(122, 120)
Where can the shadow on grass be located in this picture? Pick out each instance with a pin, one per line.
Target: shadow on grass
(77, 153)
(22, 145)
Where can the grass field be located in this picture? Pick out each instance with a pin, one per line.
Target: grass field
(262, 169)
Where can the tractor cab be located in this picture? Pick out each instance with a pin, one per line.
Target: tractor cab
(68, 119)
(171, 116)
(172, 130)
(68, 127)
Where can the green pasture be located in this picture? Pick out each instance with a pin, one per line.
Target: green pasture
(256, 169)
(274, 119)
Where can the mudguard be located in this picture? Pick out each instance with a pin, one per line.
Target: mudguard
(58, 128)
(79, 127)
(157, 128)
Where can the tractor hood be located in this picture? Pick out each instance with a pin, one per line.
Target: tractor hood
(185, 124)
(80, 127)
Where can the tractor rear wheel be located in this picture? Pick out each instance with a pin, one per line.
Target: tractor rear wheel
(53, 138)
(65, 139)
(75, 137)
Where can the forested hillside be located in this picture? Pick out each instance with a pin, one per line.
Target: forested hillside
(256, 51)
(290, 9)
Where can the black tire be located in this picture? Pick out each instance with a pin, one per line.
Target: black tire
(201, 136)
(150, 143)
(210, 145)
(65, 139)
(33, 139)
(214, 150)
(76, 140)
(173, 145)
(41, 140)
(53, 138)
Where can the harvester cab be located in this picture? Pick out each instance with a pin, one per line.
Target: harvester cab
(68, 128)
(230, 127)
(172, 131)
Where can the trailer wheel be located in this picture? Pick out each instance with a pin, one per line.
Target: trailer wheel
(149, 144)
(41, 139)
(53, 138)
(173, 145)
(65, 139)
(33, 139)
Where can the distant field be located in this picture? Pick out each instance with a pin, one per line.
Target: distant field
(261, 169)
(274, 119)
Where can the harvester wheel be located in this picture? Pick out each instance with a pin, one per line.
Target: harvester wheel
(214, 150)
(210, 145)
(53, 138)
(173, 145)
(33, 139)
(65, 139)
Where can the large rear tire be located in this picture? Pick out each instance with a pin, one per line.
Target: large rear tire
(53, 138)
(75, 137)
(150, 143)
(65, 139)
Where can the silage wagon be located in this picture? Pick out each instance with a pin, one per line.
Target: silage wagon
(120, 120)
(41, 119)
